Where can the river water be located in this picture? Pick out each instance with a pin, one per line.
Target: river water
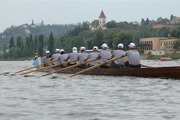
(87, 97)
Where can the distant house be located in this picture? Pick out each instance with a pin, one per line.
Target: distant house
(175, 20)
(157, 45)
(159, 26)
(99, 24)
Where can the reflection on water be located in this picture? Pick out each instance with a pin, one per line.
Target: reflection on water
(87, 97)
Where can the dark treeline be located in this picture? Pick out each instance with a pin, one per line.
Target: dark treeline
(117, 32)
(27, 48)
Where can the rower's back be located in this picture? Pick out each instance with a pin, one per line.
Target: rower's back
(133, 56)
(72, 56)
(117, 53)
(93, 55)
(105, 54)
(82, 55)
(56, 56)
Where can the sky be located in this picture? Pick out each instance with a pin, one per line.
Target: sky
(18, 12)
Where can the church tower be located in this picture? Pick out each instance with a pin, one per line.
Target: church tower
(102, 21)
(99, 24)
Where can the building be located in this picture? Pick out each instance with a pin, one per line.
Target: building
(100, 23)
(157, 45)
(175, 20)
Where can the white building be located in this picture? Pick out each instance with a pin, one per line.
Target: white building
(99, 24)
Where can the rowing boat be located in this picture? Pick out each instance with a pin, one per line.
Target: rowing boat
(150, 72)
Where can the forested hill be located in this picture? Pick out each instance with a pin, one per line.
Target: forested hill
(25, 29)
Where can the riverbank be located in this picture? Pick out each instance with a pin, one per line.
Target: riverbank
(157, 57)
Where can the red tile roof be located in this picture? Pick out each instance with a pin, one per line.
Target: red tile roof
(95, 23)
(102, 15)
(158, 26)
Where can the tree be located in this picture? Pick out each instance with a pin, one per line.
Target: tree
(41, 45)
(26, 47)
(32, 22)
(31, 47)
(122, 37)
(171, 17)
(176, 45)
(51, 43)
(98, 38)
(5, 48)
(19, 42)
(142, 21)
(147, 21)
(36, 43)
(11, 45)
(78, 42)
(111, 24)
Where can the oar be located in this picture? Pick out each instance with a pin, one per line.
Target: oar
(47, 67)
(93, 67)
(66, 68)
(34, 66)
(146, 66)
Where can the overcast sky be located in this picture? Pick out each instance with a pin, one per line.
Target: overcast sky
(17, 12)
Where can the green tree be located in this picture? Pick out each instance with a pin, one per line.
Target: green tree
(35, 44)
(122, 37)
(51, 43)
(11, 45)
(31, 47)
(111, 24)
(171, 17)
(78, 42)
(98, 38)
(5, 48)
(142, 21)
(26, 47)
(176, 45)
(147, 21)
(41, 45)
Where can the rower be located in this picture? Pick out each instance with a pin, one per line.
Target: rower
(104, 55)
(93, 55)
(56, 56)
(120, 62)
(36, 61)
(133, 57)
(63, 57)
(72, 56)
(46, 59)
(82, 56)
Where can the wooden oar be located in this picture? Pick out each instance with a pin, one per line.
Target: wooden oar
(146, 66)
(34, 66)
(93, 67)
(67, 68)
(47, 67)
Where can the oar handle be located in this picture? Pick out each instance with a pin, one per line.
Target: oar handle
(93, 67)
(35, 66)
(69, 67)
(47, 67)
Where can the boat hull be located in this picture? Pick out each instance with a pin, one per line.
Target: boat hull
(153, 72)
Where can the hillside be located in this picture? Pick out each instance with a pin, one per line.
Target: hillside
(33, 29)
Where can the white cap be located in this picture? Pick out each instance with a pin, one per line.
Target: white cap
(57, 50)
(62, 50)
(95, 48)
(82, 48)
(47, 52)
(120, 45)
(74, 49)
(104, 45)
(132, 45)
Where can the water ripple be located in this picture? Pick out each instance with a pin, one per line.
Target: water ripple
(86, 97)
